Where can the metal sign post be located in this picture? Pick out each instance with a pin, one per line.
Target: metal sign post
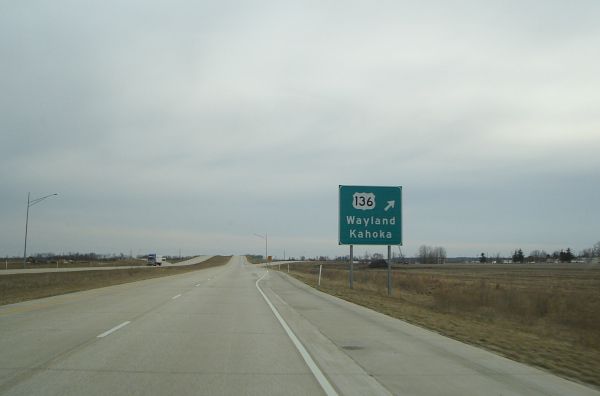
(389, 271)
(351, 265)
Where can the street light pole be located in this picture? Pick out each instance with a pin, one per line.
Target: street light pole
(26, 223)
(30, 204)
(266, 238)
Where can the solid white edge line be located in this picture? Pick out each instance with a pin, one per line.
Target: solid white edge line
(174, 297)
(113, 329)
(323, 381)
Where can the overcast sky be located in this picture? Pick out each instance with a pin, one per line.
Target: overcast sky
(192, 125)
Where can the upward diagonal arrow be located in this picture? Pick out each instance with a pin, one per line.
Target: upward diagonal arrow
(390, 204)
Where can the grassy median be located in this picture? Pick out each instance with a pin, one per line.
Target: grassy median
(21, 287)
(542, 315)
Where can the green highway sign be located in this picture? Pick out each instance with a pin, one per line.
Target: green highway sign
(370, 215)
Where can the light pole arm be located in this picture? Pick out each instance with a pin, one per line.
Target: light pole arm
(38, 200)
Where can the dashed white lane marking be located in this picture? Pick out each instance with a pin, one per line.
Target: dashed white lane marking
(199, 284)
(113, 329)
(176, 297)
(323, 381)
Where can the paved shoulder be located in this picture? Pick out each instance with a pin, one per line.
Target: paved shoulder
(407, 359)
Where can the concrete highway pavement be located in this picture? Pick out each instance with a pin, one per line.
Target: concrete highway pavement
(194, 260)
(230, 330)
(206, 332)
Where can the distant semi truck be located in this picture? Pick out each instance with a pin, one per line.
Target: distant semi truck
(155, 259)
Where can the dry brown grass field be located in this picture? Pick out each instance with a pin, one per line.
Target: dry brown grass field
(20, 287)
(18, 264)
(545, 315)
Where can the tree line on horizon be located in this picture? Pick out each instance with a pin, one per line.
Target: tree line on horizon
(538, 256)
(425, 255)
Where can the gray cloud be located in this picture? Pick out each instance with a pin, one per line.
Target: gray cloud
(193, 125)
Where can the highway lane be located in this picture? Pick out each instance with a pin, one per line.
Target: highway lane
(222, 330)
(192, 261)
(207, 332)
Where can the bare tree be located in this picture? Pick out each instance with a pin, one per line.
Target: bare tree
(440, 254)
(424, 254)
(377, 256)
(597, 249)
(432, 255)
(400, 255)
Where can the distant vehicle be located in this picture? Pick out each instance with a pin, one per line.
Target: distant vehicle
(155, 259)
(378, 263)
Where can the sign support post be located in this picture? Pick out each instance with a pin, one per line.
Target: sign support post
(351, 265)
(389, 271)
